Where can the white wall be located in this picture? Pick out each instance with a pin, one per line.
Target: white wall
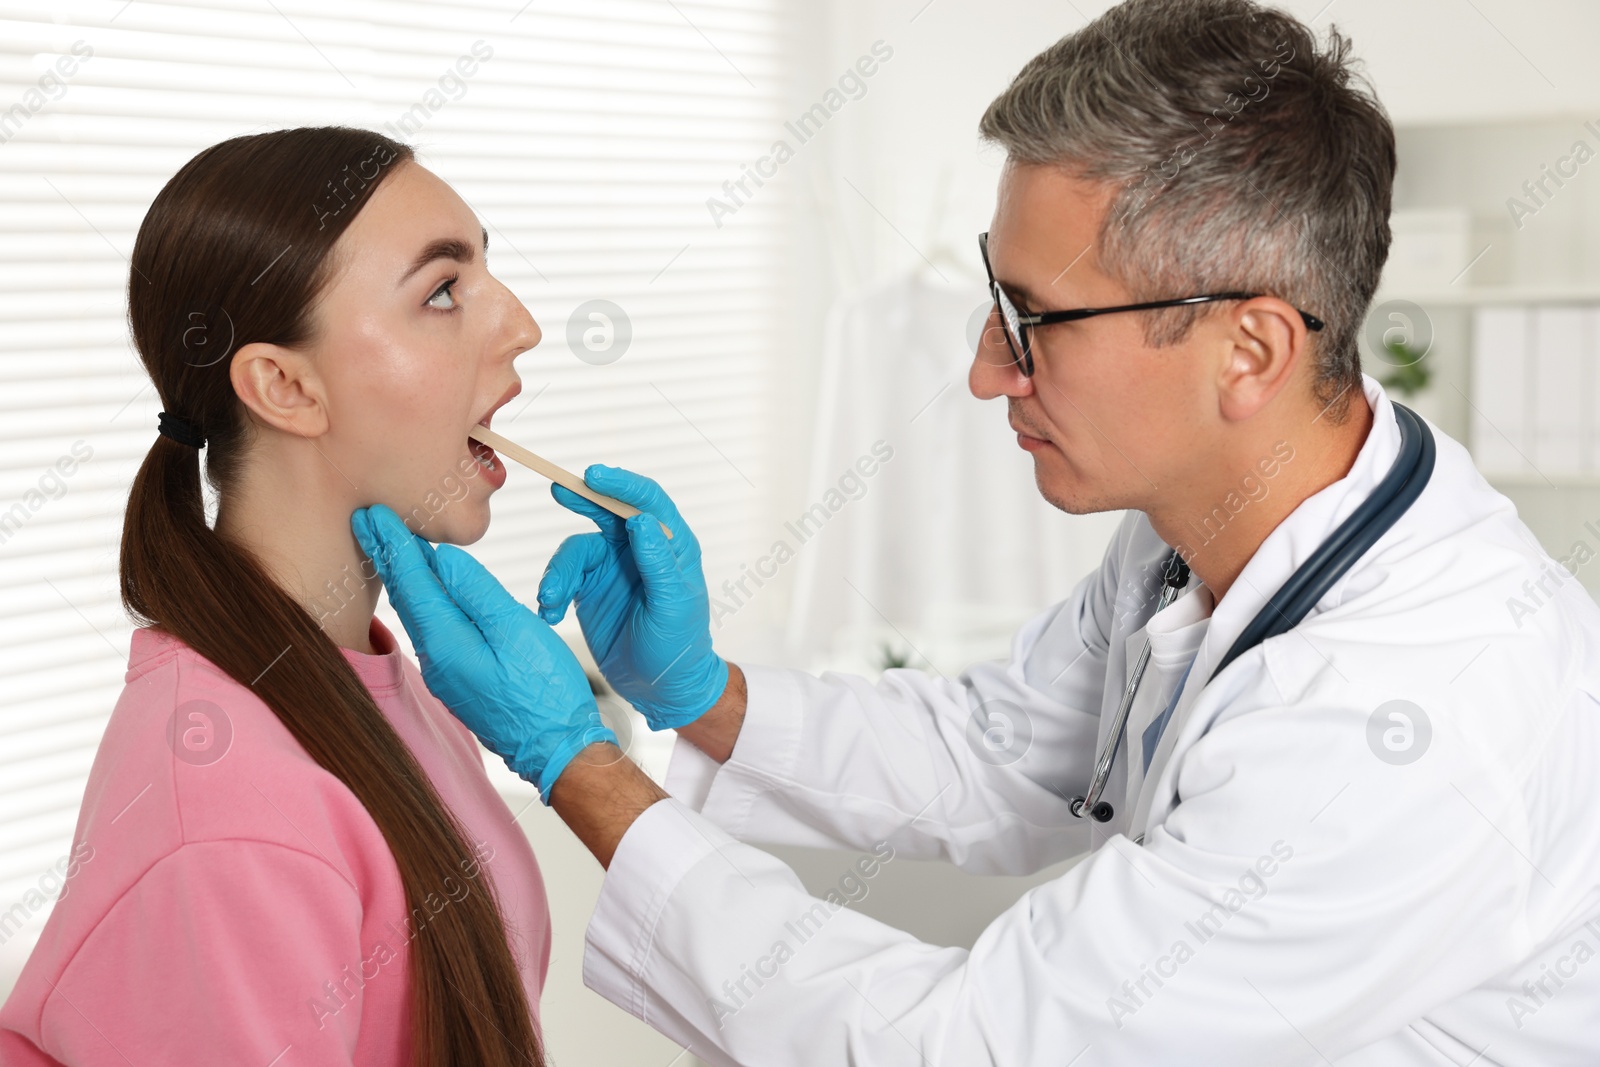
(1433, 62)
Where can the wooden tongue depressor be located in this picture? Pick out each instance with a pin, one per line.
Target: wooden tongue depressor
(560, 475)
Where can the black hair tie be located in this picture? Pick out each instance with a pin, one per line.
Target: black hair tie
(181, 430)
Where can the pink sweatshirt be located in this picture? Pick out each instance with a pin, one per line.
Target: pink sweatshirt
(232, 902)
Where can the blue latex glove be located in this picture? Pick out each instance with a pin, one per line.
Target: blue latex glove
(497, 667)
(641, 599)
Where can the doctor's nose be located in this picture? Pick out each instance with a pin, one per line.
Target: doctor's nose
(994, 371)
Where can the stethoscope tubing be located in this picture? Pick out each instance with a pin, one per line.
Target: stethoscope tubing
(1310, 582)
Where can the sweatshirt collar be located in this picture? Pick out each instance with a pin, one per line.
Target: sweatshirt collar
(385, 669)
(380, 671)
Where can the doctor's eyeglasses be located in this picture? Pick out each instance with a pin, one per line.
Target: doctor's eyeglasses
(1019, 326)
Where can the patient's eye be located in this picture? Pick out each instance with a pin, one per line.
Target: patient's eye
(445, 294)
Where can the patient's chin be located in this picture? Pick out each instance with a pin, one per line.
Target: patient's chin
(475, 532)
(465, 524)
(461, 521)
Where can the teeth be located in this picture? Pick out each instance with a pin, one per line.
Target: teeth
(482, 454)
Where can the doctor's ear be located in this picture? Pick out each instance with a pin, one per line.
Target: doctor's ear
(1267, 339)
(281, 388)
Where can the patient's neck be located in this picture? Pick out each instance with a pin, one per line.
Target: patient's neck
(292, 510)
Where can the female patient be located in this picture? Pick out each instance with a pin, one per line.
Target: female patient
(293, 853)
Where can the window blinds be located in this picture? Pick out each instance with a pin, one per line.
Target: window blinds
(587, 137)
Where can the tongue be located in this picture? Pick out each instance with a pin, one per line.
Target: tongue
(481, 450)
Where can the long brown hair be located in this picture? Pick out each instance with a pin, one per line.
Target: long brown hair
(235, 249)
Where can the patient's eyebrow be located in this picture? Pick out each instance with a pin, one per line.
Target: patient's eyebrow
(444, 248)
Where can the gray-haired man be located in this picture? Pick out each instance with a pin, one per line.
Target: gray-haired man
(1367, 840)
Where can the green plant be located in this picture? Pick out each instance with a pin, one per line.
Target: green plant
(889, 658)
(1409, 375)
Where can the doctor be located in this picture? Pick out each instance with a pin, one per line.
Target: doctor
(1369, 839)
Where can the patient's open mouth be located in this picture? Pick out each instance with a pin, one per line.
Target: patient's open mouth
(494, 469)
(483, 454)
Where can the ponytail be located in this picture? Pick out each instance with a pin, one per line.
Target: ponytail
(203, 234)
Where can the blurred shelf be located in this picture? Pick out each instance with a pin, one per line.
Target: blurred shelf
(1536, 481)
(1469, 296)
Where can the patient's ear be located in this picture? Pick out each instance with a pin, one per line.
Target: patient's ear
(281, 388)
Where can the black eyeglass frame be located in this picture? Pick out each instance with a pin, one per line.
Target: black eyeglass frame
(1018, 327)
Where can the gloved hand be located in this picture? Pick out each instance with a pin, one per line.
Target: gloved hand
(497, 667)
(641, 599)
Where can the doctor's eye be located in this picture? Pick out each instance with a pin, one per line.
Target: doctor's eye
(445, 291)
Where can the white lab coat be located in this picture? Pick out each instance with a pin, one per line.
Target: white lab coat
(1270, 892)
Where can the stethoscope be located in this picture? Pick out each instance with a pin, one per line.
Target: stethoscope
(1399, 488)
